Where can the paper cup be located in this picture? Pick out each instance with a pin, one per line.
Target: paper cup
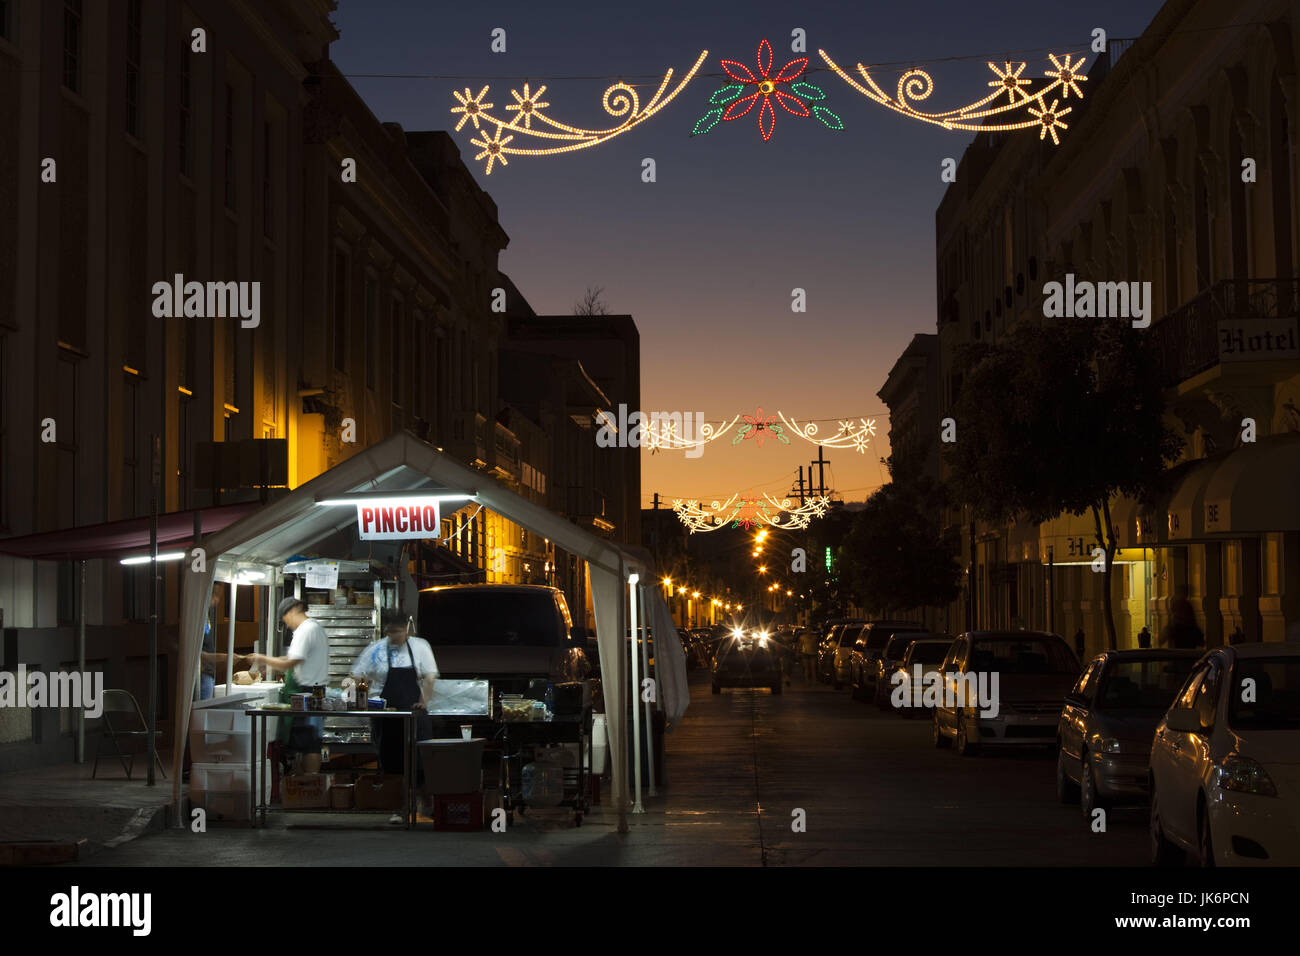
(466, 731)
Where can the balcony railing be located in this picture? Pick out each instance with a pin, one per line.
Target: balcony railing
(1187, 340)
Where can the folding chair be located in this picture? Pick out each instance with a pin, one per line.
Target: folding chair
(131, 725)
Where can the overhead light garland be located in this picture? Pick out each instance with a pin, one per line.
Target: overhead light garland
(664, 434)
(748, 510)
(856, 435)
(917, 85)
(1024, 107)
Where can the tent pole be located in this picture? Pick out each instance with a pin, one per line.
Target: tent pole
(646, 631)
(230, 648)
(636, 693)
(81, 663)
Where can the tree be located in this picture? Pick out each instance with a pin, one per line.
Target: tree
(1058, 419)
(592, 302)
(895, 557)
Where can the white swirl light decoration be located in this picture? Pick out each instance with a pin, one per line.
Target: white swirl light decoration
(620, 100)
(748, 511)
(1040, 109)
(662, 434)
(852, 434)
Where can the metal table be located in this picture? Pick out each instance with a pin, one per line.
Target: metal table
(517, 734)
(257, 758)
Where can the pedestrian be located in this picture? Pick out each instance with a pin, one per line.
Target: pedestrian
(1237, 636)
(1184, 632)
(306, 665)
(1144, 638)
(808, 654)
(1079, 641)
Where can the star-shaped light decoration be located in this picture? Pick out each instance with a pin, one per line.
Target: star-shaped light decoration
(491, 148)
(759, 427)
(1010, 80)
(470, 106)
(1049, 118)
(1069, 75)
(526, 106)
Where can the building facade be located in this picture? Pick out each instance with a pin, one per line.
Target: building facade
(1178, 169)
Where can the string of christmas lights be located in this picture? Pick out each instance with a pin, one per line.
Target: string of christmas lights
(852, 434)
(748, 510)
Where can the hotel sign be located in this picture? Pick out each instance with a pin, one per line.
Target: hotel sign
(1254, 340)
(398, 520)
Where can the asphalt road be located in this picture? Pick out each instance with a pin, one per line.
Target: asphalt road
(872, 788)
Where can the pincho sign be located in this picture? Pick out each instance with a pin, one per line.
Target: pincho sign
(394, 520)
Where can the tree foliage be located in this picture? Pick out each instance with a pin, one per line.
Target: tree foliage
(1058, 418)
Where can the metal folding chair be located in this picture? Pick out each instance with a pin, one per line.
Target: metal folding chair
(130, 725)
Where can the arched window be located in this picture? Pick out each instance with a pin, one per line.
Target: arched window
(1279, 139)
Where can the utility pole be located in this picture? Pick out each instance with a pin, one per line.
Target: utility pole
(821, 464)
(800, 494)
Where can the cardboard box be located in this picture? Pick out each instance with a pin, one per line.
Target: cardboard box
(375, 792)
(343, 796)
(305, 791)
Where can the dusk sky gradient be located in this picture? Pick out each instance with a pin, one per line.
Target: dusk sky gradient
(705, 258)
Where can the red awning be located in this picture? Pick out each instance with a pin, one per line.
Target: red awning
(119, 539)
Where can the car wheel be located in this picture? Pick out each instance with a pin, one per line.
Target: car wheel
(882, 700)
(777, 689)
(1204, 843)
(855, 688)
(1163, 852)
(1067, 791)
(835, 681)
(717, 689)
(1088, 799)
(941, 741)
(966, 747)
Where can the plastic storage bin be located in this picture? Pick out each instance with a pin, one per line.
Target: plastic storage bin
(451, 765)
(222, 789)
(220, 736)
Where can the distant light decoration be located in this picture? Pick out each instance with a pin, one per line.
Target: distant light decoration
(757, 427)
(917, 85)
(856, 435)
(829, 559)
(620, 100)
(748, 511)
(760, 89)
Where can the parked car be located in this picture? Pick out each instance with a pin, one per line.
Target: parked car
(1225, 761)
(747, 661)
(864, 662)
(923, 650)
(1034, 672)
(835, 657)
(510, 634)
(1105, 729)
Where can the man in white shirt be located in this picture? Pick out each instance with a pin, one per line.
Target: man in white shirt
(307, 663)
(401, 669)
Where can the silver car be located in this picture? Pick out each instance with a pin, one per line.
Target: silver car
(1110, 715)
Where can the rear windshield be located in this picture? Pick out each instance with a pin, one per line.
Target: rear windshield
(1011, 655)
(850, 634)
(1276, 704)
(489, 617)
(1148, 686)
(929, 653)
(880, 636)
(897, 646)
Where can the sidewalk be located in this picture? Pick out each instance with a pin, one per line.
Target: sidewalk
(50, 814)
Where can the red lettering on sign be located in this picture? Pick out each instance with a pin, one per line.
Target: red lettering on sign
(367, 519)
(402, 516)
(415, 519)
(430, 518)
(386, 519)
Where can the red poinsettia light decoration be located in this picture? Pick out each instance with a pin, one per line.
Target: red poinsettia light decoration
(766, 88)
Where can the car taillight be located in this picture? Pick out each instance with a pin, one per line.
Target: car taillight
(1243, 775)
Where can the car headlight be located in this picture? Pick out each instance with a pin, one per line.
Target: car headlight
(1109, 745)
(1243, 775)
(737, 632)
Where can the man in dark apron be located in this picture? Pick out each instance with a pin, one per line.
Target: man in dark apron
(404, 667)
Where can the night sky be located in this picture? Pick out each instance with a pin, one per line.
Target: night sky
(706, 257)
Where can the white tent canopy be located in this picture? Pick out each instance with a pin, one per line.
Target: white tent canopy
(402, 463)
